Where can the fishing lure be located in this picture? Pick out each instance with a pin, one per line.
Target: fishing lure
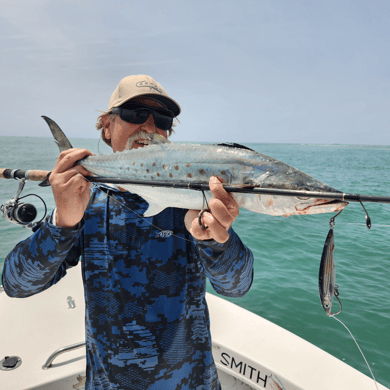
(327, 280)
(327, 275)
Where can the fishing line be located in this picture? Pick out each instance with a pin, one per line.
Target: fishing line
(345, 326)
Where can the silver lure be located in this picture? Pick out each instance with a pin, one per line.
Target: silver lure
(236, 165)
(327, 276)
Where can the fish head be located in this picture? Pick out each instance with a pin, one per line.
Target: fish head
(289, 205)
(306, 205)
(282, 176)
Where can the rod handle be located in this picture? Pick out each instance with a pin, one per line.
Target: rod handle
(32, 174)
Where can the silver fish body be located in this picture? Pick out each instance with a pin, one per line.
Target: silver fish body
(197, 163)
(235, 164)
(327, 274)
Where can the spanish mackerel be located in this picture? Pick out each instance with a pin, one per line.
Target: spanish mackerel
(234, 164)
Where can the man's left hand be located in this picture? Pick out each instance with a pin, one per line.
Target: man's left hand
(222, 212)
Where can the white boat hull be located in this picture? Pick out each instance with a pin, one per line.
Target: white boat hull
(249, 351)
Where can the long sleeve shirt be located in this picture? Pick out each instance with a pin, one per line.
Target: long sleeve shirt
(147, 322)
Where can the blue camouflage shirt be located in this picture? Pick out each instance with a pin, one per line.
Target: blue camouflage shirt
(147, 322)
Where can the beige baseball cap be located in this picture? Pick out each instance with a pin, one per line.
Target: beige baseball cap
(141, 85)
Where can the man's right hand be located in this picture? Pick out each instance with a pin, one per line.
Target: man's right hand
(70, 190)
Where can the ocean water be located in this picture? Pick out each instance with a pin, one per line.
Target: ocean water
(287, 250)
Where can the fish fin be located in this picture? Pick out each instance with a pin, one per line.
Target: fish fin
(234, 145)
(153, 209)
(46, 182)
(157, 139)
(59, 137)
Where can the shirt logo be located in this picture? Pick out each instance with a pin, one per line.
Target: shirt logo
(151, 86)
(165, 233)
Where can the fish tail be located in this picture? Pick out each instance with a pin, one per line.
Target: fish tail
(60, 139)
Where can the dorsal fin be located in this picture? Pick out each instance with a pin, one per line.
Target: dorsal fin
(234, 145)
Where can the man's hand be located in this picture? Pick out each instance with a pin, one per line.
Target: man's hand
(223, 212)
(70, 190)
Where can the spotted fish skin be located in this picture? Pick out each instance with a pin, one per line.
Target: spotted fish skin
(327, 275)
(197, 163)
(235, 164)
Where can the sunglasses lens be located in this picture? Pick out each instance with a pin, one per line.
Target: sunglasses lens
(163, 119)
(163, 122)
(134, 116)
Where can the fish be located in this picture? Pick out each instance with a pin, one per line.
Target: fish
(234, 164)
(327, 276)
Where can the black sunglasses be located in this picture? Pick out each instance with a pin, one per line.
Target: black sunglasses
(139, 113)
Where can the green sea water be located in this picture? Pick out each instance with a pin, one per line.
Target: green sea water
(287, 251)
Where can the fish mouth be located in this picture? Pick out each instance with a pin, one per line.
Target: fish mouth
(321, 206)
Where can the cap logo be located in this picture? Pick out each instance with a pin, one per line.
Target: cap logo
(151, 86)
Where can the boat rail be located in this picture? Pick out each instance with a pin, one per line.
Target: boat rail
(59, 352)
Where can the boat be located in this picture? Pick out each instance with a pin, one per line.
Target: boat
(42, 347)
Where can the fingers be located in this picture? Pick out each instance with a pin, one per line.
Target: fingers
(69, 179)
(192, 225)
(65, 169)
(215, 230)
(224, 197)
(223, 210)
(74, 171)
(223, 207)
(68, 158)
(220, 212)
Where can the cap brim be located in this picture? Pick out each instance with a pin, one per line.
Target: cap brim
(169, 102)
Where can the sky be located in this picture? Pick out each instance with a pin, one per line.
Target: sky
(261, 71)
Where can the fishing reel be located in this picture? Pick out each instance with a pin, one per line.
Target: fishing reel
(21, 213)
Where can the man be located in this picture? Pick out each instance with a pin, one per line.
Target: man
(147, 323)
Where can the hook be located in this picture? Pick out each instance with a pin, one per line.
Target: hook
(202, 211)
(336, 294)
(368, 219)
(332, 222)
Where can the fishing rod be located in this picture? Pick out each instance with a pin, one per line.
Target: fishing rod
(15, 212)
(41, 176)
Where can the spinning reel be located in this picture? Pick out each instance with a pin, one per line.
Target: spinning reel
(21, 213)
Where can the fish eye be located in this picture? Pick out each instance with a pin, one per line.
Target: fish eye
(303, 197)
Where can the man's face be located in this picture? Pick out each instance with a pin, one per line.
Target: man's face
(125, 135)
